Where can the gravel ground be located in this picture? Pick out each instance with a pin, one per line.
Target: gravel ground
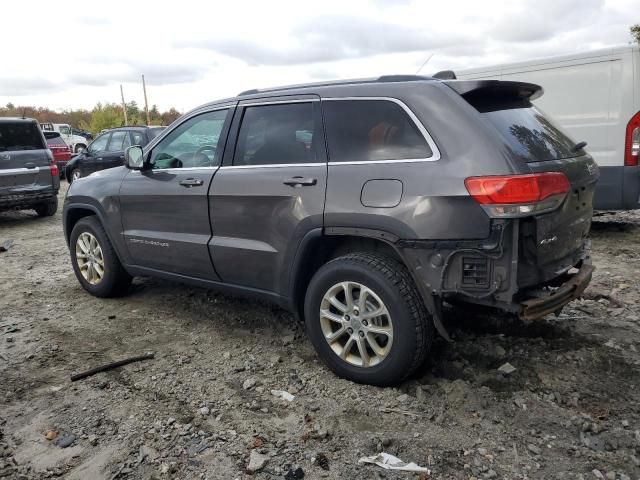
(203, 406)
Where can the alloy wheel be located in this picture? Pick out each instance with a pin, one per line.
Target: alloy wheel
(89, 257)
(356, 324)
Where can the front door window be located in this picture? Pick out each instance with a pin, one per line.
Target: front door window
(192, 144)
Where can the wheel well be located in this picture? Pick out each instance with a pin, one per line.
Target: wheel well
(72, 218)
(326, 248)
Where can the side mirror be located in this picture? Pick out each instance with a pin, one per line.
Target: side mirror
(134, 158)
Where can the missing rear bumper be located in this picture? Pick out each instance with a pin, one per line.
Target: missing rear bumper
(549, 301)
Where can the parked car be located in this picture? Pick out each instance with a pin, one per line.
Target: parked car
(29, 178)
(594, 96)
(107, 150)
(82, 133)
(77, 143)
(359, 205)
(60, 150)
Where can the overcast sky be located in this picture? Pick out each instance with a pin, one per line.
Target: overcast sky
(75, 54)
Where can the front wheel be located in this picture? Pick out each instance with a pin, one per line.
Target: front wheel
(94, 260)
(75, 175)
(366, 319)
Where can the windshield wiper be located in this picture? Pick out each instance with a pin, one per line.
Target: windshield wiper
(579, 146)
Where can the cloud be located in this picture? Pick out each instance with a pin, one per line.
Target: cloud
(544, 20)
(155, 74)
(331, 38)
(93, 20)
(27, 86)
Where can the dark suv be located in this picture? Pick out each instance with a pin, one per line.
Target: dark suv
(107, 150)
(360, 206)
(29, 178)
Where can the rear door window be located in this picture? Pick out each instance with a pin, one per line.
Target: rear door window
(137, 138)
(372, 130)
(16, 136)
(116, 143)
(530, 134)
(276, 134)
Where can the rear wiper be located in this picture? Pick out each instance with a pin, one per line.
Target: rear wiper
(579, 146)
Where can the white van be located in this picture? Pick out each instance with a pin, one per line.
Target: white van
(77, 143)
(595, 97)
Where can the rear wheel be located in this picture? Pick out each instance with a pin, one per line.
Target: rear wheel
(366, 319)
(47, 209)
(95, 262)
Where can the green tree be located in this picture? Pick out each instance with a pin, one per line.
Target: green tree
(109, 115)
(155, 116)
(635, 32)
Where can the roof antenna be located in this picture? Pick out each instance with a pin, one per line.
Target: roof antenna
(425, 63)
(24, 112)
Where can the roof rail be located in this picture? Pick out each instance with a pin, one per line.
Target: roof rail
(402, 78)
(383, 78)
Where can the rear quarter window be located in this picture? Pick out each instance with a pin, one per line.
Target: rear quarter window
(372, 130)
(20, 136)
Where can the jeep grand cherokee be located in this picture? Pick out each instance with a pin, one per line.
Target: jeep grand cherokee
(359, 205)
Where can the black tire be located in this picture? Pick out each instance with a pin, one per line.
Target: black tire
(115, 281)
(413, 329)
(48, 208)
(71, 174)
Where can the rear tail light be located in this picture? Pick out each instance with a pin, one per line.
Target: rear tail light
(53, 168)
(519, 195)
(632, 142)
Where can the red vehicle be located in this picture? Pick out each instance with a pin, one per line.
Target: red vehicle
(61, 151)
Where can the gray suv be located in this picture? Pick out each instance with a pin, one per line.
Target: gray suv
(361, 206)
(29, 178)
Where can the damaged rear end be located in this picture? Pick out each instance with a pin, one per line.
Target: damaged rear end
(536, 259)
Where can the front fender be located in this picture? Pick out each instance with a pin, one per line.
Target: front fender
(98, 195)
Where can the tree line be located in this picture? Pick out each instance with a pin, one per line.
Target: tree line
(107, 115)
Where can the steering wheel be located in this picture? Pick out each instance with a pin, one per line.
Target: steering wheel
(203, 161)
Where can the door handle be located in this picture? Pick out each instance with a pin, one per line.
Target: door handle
(300, 182)
(30, 165)
(191, 182)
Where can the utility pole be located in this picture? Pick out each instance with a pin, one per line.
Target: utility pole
(146, 105)
(124, 106)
